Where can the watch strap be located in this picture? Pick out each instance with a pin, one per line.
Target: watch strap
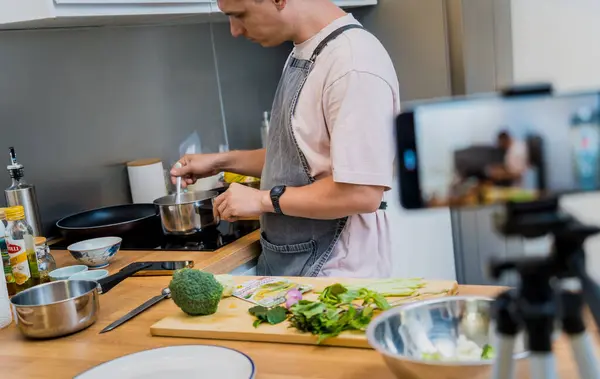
(276, 193)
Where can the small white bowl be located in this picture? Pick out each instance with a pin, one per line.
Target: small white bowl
(93, 275)
(97, 252)
(65, 273)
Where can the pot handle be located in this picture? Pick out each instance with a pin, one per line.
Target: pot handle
(110, 281)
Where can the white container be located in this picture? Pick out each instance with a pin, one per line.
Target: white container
(146, 180)
(5, 313)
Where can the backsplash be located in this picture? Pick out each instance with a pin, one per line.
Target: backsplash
(77, 104)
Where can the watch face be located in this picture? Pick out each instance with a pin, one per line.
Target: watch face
(277, 191)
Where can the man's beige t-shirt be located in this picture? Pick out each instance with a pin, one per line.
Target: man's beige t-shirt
(344, 124)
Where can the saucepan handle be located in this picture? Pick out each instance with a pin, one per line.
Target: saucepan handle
(110, 281)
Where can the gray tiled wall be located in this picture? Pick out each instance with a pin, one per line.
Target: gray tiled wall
(79, 103)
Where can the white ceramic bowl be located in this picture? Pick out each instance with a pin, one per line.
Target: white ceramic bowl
(97, 252)
(65, 273)
(92, 275)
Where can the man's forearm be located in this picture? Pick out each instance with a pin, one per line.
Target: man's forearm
(326, 199)
(244, 162)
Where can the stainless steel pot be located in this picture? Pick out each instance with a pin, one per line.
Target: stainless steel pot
(64, 307)
(192, 214)
(56, 309)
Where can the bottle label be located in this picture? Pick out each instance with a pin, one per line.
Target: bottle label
(18, 260)
(8, 274)
(32, 256)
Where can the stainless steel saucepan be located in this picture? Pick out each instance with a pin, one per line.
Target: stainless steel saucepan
(64, 307)
(190, 213)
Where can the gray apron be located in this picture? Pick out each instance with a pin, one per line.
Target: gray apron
(293, 246)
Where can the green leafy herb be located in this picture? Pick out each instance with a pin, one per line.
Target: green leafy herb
(272, 316)
(488, 352)
(276, 315)
(337, 310)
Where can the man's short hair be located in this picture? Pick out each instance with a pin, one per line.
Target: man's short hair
(503, 134)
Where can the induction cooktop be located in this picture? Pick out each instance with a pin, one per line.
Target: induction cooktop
(209, 239)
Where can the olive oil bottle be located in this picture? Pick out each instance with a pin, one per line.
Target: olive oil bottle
(11, 286)
(21, 249)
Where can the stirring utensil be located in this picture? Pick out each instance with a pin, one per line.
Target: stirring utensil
(178, 185)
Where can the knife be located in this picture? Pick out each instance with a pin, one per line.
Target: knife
(166, 293)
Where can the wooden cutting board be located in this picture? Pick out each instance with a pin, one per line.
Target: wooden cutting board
(233, 322)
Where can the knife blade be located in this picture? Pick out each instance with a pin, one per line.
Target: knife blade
(166, 293)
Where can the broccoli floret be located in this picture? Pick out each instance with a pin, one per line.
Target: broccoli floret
(197, 293)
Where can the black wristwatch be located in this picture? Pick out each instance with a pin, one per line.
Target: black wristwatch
(276, 193)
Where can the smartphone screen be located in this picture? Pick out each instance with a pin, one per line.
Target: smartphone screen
(165, 268)
(484, 150)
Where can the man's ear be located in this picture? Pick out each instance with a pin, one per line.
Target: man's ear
(280, 4)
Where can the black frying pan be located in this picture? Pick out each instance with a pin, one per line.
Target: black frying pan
(115, 221)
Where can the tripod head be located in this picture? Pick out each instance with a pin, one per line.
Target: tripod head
(566, 260)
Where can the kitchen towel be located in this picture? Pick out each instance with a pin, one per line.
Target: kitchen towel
(146, 180)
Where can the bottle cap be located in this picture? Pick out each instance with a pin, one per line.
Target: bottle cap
(15, 213)
(39, 241)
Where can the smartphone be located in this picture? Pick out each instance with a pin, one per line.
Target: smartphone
(488, 149)
(165, 268)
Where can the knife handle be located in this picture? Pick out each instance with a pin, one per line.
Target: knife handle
(111, 281)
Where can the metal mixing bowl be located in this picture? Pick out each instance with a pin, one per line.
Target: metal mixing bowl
(56, 309)
(401, 335)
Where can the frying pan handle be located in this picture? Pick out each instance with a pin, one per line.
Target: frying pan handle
(110, 281)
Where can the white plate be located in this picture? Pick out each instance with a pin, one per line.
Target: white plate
(190, 361)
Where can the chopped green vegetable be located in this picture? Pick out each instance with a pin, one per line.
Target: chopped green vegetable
(337, 309)
(339, 295)
(431, 356)
(326, 320)
(272, 316)
(228, 284)
(391, 287)
(488, 352)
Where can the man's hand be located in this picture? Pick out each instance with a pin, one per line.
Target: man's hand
(240, 202)
(196, 166)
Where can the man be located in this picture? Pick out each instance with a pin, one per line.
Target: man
(515, 161)
(330, 150)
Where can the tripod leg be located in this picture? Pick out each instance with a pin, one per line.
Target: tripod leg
(542, 365)
(538, 305)
(583, 351)
(507, 329)
(504, 365)
(574, 327)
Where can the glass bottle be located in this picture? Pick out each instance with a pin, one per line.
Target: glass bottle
(5, 313)
(46, 261)
(21, 249)
(8, 274)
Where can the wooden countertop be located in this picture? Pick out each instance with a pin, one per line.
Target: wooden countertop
(67, 356)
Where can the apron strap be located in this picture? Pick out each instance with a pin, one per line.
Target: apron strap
(331, 37)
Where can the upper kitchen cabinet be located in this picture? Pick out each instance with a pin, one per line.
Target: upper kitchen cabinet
(354, 3)
(30, 14)
(19, 14)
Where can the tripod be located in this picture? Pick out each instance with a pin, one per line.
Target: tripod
(552, 290)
